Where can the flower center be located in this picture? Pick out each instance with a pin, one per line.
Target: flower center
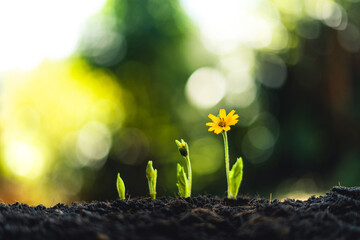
(222, 122)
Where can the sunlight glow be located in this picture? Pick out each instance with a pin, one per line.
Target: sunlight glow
(23, 159)
(64, 107)
(205, 87)
(226, 25)
(32, 31)
(93, 143)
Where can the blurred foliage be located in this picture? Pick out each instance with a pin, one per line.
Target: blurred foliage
(153, 70)
(145, 73)
(59, 119)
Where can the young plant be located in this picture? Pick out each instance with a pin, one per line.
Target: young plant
(120, 187)
(151, 175)
(221, 124)
(184, 182)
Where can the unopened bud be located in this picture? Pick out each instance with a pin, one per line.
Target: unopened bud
(150, 170)
(183, 147)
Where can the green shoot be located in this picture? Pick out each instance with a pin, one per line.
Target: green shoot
(151, 175)
(184, 182)
(120, 187)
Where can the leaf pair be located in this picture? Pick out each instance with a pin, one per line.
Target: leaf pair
(183, 182)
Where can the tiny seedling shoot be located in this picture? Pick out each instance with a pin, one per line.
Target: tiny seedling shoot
(151, 175)
(184, 182)
(221, 124)
(120, 187)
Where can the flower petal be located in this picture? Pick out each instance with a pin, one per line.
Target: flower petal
(215, 119)
(227, 128)
(222, 113)
(232, 122)
(235, 116)
(211, 129)
(211, 124)
(218, 130)
(230, 114)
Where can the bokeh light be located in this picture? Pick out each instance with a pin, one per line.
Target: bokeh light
(206, 87)
(36, 30)
(58, 103)
(94, 143)
(205, 162)
(349, 38)
(24, 160)
(272, 71)
(92, 88)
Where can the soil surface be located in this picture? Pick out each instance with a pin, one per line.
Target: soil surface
(334, 216)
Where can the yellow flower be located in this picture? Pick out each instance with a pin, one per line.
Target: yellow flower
(223, 122)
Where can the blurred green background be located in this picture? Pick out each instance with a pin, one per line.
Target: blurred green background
(92, 88)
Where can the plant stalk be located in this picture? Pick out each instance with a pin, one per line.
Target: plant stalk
(187, 158)
(152, 190)
(226, 146)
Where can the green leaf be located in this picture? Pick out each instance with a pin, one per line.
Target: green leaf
(120, 187)
(235, 177)
(151, 175)
(182, 182)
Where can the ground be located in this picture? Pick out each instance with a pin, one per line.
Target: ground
(334, 216)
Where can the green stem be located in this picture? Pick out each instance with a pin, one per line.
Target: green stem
(226, 146)
(152, 190)
(187, 158)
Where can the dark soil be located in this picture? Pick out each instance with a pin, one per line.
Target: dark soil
(334, 216)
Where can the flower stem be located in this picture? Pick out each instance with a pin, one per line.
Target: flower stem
(187, 158)
(226, 146)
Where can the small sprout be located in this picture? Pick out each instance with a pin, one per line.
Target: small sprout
(120, 187)
(184, 182)
(221, 124)
(151, 175)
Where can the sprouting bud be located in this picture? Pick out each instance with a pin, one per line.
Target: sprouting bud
(150, 172)
(183, 147)
(151, 175)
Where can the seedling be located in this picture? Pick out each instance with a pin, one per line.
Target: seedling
(221, 124)
(184, 182)
(120, 187)
(151, 175)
